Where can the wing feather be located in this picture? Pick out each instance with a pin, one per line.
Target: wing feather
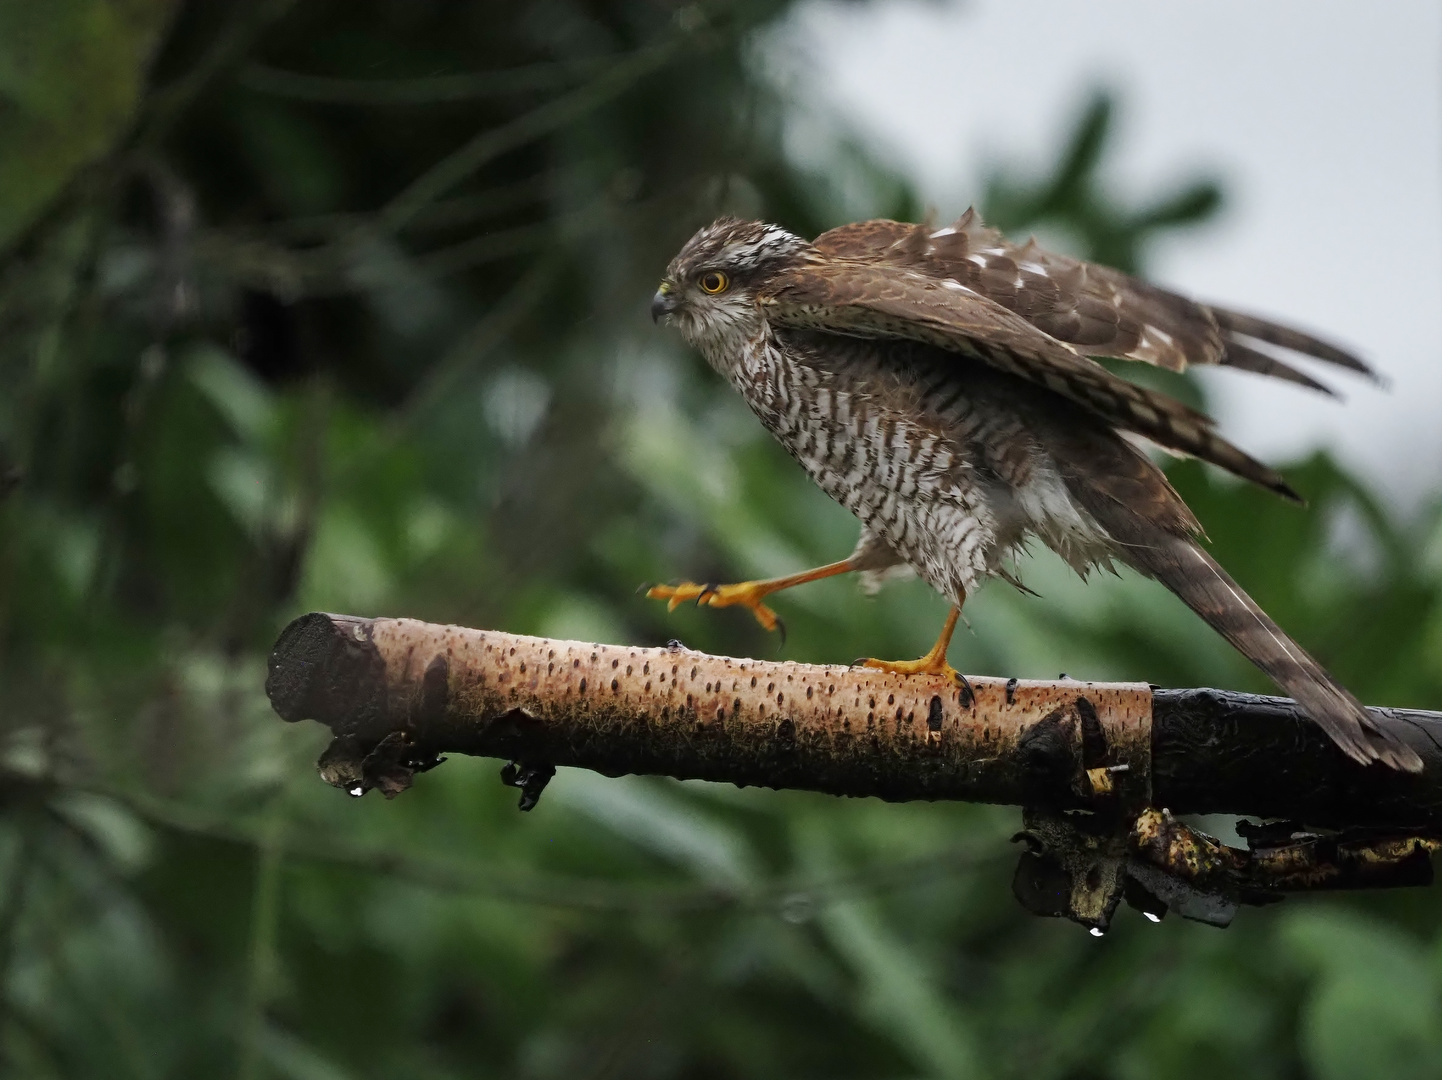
(877, 299)
(1102, 311)
(1235, 325)
(1247, 358)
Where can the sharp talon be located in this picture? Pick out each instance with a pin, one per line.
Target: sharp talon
(768, 619)
(967, 695)
(860, 661)
(745, 594)
(781, 629)
(643, 588)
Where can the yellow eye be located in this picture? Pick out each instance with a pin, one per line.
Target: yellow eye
(714, 281)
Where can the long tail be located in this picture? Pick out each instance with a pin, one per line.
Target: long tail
(1182, 566)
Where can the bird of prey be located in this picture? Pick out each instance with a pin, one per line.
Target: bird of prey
(939, 384)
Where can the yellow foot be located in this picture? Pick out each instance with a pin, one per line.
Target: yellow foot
(746, 594)
(933, 663)
(927, 665)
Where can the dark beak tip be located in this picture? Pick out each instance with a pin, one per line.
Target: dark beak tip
(661, 304)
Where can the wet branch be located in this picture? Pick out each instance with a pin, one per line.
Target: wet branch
(1088, 761)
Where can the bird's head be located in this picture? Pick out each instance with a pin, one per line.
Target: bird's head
(709, 290)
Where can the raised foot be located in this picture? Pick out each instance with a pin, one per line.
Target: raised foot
(745, 594)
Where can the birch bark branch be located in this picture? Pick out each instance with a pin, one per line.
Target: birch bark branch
(1091, 763)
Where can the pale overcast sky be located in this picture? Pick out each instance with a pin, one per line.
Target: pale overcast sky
(1322, 118)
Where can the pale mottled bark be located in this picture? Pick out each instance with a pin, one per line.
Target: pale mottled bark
(398, 693)
(619, 709)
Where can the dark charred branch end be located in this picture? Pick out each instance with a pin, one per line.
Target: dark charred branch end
(1218, 751)
(327, 668)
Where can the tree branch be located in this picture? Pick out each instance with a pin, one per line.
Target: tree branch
(1087, 760)
(424, 90)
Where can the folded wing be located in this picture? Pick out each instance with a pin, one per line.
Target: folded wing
(876, 298)
(1101, 311)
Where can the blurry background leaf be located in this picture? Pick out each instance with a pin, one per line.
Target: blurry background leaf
(1374, 1002)
(71, 75)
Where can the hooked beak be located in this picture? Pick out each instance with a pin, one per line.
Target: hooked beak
(663, 303)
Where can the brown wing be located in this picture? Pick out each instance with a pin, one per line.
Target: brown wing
(1100, 310)
(883, 299)
(1238, 327)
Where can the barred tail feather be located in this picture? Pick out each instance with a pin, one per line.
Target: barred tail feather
(1152, 531)
(1183, 567)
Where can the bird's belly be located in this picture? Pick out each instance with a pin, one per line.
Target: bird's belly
(955, 487)
(912, 486)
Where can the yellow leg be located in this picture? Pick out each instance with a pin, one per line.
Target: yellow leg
(747, 594)
(934, 662)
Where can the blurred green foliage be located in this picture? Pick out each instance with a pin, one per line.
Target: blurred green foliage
(71, 75)
(343, 306)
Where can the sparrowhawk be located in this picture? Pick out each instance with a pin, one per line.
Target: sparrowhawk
(939, 384)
